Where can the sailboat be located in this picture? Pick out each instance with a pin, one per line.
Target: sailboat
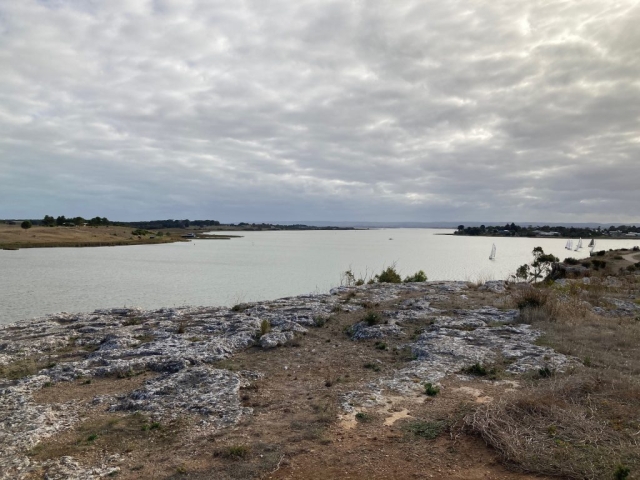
(592, 243)
(569, 245)
(493, 252)
(579, 245)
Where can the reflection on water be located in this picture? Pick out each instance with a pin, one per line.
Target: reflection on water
(259, 266)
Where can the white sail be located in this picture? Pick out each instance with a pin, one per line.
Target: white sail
(568, 245)
(579, 245)
(493, 252)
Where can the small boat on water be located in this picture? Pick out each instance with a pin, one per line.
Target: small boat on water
(592, 243)
(579, 245)
(569, 245)
(493, 252)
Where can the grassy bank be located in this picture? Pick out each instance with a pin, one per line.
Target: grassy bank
(13, 237)
(584, 423)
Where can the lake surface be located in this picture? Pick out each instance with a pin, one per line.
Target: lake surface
(259, 266)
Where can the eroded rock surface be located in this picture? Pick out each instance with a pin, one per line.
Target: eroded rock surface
(185, 347)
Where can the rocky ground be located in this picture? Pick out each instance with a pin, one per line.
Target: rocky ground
(363, 382)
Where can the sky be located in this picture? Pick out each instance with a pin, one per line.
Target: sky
(270, 110)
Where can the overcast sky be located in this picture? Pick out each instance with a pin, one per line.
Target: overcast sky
(320, 110)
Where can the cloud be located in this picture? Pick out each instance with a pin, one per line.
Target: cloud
(410, 110)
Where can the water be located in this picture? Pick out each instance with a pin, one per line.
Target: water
(259, 266)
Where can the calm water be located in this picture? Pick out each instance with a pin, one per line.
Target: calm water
(259, 266)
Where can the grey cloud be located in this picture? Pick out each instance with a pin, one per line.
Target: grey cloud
(410, 110)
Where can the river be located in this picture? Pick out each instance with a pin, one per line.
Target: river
(258, 266)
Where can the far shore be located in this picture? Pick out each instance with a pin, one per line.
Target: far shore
(14, 237)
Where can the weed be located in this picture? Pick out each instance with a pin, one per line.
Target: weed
(621, 473)
(132, 321)
(92, 437)
(425, 429)
(48, 384)
(372, 366)
(431, 390)
(545, 372)
(235, 451)
(363, 417)
(240, 307)
(319, 321)
(476, 369)
(182, 327)
(380, 345)
(371, 318)
(337, 308)
(265, 327)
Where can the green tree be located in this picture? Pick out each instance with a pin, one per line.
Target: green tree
(26, 224)
(48, 221)
(539, 268)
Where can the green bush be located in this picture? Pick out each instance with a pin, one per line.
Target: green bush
(431, 390)
(26, 224)
(371, 319)
(571, 261)
(419, 276)
(390, 275)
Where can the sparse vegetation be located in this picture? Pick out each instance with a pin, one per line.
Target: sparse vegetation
(425, 429)
(372, 366)
(388, 275)
(371, 318)
(431, 390)
(265, 327)
(419, 276)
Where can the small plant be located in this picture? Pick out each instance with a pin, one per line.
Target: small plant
(621, 473)
(182, 327)
(380, 345)
(265, 327)
(571, 261)
(132, 321)
(240, 307)
(371, 319)
(431, 390)
(372, 366)
(425, 429)
(236, 451)
(419, 276)
(363, 417)
(545, 372)
(476, 369)
(48, 384)
(92, 437)
(337, 308)
(154, 425)
(319, 321)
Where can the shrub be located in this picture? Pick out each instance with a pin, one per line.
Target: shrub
(372, 366)
(235, 451)
(431, 390)
(571, 261)
(390, 275)
(26, 224)
(530, 297)
(419, 276)
(371, 319)
(381, 345)
(363, 417)
(621, 473)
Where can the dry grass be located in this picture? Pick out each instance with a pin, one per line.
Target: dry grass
(579, 426)
(14, 237)
(584, 423)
